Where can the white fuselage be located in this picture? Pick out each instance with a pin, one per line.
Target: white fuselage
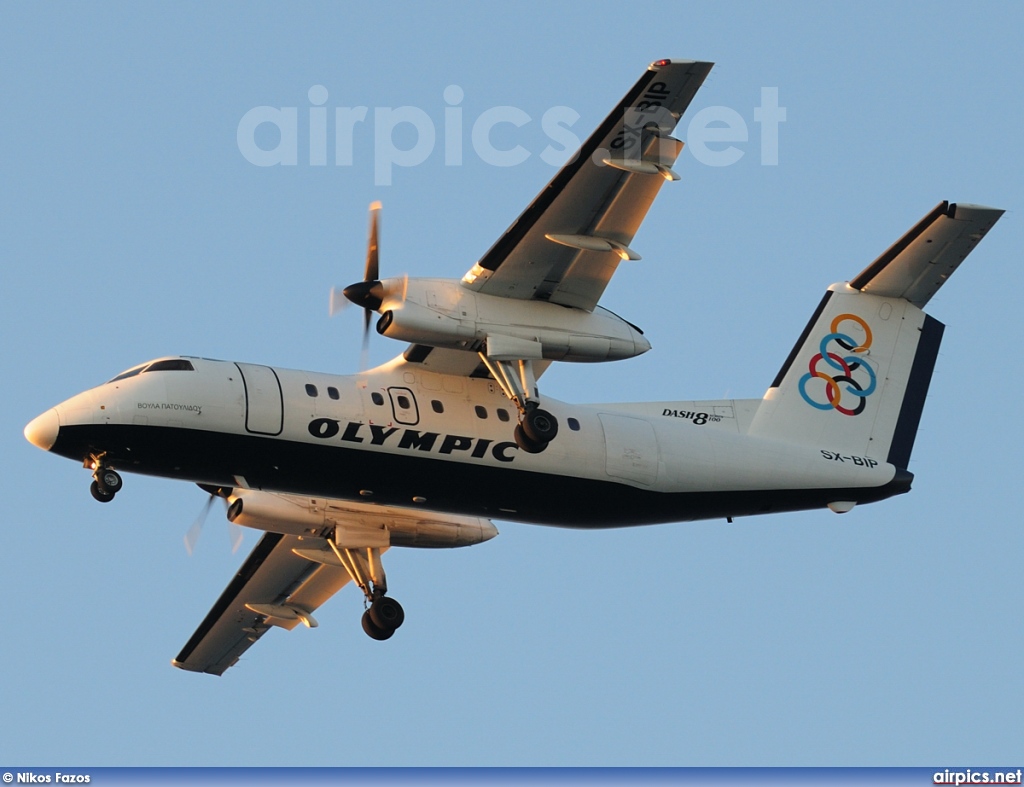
(418, 438)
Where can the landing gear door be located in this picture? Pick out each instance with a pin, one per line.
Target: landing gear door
(264, 405)
(403, 403)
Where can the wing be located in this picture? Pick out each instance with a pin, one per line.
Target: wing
(272, 575)
(916, 265)
(567, 244)
(287, 577)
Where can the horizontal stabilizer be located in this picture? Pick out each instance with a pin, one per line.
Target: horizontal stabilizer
(919, 263)
(857, 379)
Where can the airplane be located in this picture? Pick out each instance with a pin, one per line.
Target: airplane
(428, 449)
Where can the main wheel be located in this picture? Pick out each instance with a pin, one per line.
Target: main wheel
(373, 630)
(109, 481)
(540, 425)
(387, 614)
(99, 494)
(526, 443)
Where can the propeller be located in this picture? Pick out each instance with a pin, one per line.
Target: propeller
(370, 292)
(234, 531)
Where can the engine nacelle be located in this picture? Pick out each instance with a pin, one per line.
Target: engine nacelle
(411, 322)
(443, 313)
(359, 525)
(276, 513)
(448, 533)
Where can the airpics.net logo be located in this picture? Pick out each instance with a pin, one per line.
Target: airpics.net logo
(716, 136)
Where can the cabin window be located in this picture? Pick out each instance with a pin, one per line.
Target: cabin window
(481, 412)
(333, 392)
(437, 405)
(376, 398)
(403, 402)
(573, 424)
(502, 414)
(311, 390)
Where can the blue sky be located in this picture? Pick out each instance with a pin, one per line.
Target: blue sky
(132, 226)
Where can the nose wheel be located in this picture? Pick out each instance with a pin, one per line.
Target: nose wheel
(97, 492)
(105, 484)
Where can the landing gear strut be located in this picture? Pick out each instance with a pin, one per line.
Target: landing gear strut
(106, 482)
(384, 615)
(537, 427)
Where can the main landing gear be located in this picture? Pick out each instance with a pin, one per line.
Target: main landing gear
(383, 615)
(537, 427)
(106, 482)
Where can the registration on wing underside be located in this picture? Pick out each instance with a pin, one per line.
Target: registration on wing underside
(567, 244)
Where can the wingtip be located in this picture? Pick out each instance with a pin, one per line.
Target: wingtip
(960, 209)
(669, 61)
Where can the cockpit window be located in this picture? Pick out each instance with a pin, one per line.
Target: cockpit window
(167, 365)
(171, 365)
(130, 373)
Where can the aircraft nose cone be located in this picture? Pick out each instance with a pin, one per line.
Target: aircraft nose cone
(42, 430)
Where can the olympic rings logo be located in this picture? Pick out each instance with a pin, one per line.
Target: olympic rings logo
(843, 389)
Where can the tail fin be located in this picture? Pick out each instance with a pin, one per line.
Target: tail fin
(857, 378)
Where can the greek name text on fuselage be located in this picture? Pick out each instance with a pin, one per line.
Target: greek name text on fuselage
(190, 408)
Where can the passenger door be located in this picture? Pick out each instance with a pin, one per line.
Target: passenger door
(264, 403)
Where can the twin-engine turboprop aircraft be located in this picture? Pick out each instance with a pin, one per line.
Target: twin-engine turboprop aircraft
(425, 450)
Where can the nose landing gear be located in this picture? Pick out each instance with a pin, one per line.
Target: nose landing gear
(106, 482)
